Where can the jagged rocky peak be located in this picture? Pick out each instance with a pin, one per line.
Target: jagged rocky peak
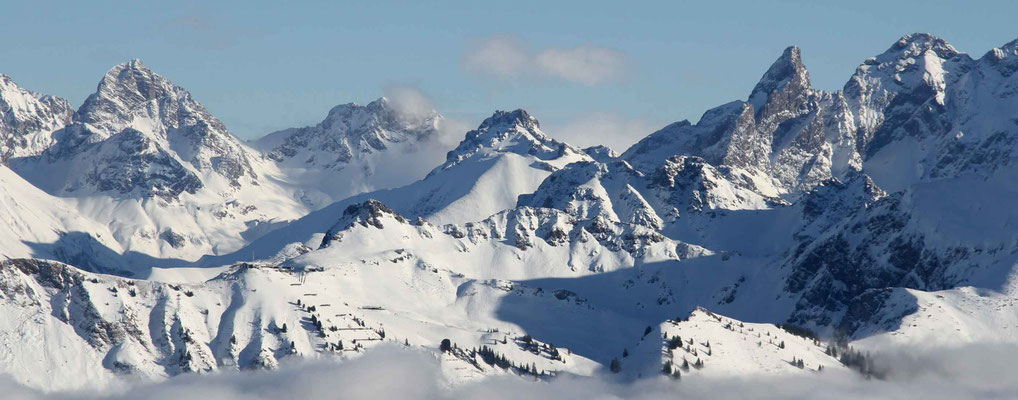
(378, 114)
(787, 75)
(131, 96)
(601, 153)
(917, 44)
(131, 90)
(692, 183)
(916, 61)
(351, 130)
(1008, 50)
(369, 213)
(508, 132)
(28, 119)
(591, 189)
(1003, 59)
(841, 196)
(382, 121)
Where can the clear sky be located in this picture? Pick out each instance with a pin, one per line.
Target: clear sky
(590, 71)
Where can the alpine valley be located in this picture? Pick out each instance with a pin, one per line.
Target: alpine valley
(787, 233)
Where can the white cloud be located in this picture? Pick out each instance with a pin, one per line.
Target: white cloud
(411, 161)
(509, 57)
(409, 101)
(973, 371)
(501, 56)
(585, 64)
(609, 129)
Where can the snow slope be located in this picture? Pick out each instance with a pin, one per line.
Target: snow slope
(32, 219)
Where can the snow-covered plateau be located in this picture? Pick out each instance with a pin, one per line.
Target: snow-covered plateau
(798, 233)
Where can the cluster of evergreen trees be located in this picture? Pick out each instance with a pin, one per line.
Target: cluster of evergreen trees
(491, 357)
(527, 342)
(669, 370)
(799, 331)
(858, 361)
(317, 323)
(674, 342)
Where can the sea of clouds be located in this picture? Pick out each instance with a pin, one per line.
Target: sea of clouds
(389, 372)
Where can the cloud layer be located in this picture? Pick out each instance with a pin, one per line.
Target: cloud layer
(509, 57)
(974, 371)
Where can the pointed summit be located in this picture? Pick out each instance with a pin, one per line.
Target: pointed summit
(787, 74)
(370, 213)
(518, 117)
(919, 43)
(131, 81)
(130, 91)
(508, 132)
(160, 123)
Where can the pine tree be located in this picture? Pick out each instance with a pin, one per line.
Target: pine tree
(667, 368)
(283, 329)
(445, 346)
(615, 366)
(625, 353)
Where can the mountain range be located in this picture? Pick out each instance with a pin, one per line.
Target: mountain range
(142, 238)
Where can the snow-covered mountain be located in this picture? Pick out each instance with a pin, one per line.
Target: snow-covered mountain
(145, 159)
(356, 149)
(28, 119)
(141, 121)
(878, 215)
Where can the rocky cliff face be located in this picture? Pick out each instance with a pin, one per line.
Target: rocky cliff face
(28, 120)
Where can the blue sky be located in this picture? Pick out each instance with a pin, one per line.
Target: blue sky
(591, 71)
